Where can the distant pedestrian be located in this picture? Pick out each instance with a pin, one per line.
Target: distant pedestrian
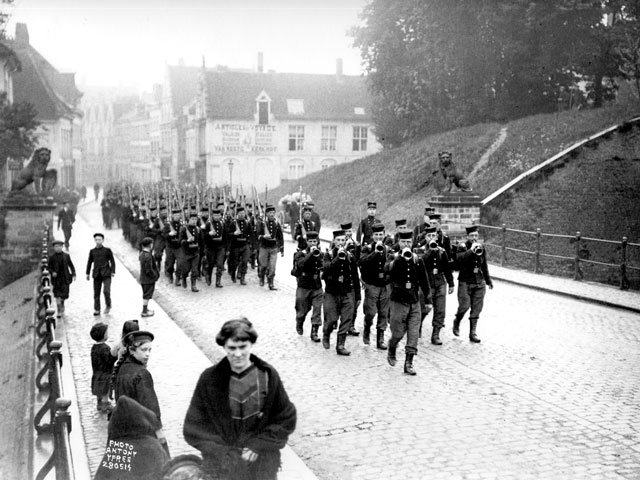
(62, 272)
(96, 190)
(104, 268)
(102, 365)
(149, 275)
(135, 381)
(240, 415)
(66, 218)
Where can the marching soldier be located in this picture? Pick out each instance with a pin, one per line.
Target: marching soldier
(352, 247)
(438, 266)
(364, 234)
(306, 225)
(407, 274)
(419, 230)
(173, 258)
(315, 217)
(191, 242)
(376, 295)
(308, 266)
(215, 246)
(239, 234)
(271, 242)
(442, 239)
(156, 233)
(401, 226)
(472, 282)
(342, 291)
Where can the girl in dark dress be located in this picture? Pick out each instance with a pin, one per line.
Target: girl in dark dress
(102, 365)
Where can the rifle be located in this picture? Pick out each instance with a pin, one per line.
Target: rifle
(185, 222)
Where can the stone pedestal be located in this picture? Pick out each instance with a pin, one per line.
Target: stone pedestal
(22, 221)
(459, 210)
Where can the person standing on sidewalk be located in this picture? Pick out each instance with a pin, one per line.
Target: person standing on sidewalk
(473, 281)
(134, 380)
(104, 268)
(63, 273)
(240, 415)
(66, 218)
(271, 243)
(308, 271)
(407, 274)
(102, 365)
(149, 275)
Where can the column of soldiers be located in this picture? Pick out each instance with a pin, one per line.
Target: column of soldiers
(403, 276)
(195, 240)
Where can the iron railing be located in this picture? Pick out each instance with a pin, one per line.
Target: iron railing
(49, 357)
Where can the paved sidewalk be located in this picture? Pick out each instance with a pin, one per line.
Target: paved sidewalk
(176, 362)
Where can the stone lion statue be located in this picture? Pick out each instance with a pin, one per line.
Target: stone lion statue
(36, 172)
(451, 174)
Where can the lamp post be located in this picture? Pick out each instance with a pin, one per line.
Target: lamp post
(230, 165)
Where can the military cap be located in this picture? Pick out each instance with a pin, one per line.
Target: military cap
(193, 214)
(57, 242)
(310, 204)
(312, 235)
(430, 230)
(98, 235)
(377, 227)
(429, 210)
(306, 208)
(345, 226)
(240, 209)
(405, 235)
(215, 211)
(176, 210)
(471, 229)
(338, 233)
(435, 216)
(270, 208)
(372, 205)
(204, 210)
(444, 154)
(399, 223)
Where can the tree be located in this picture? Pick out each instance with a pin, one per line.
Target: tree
(18, 138)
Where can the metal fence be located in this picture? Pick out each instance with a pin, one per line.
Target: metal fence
(582, 258)
(49, 358)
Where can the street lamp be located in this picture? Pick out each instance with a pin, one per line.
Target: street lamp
(230, 165)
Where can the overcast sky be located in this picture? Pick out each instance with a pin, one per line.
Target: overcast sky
(128, 42)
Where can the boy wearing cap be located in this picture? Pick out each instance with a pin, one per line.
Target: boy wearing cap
(149, 274)
(407, 274)
(63, 273)
(104, 268)
(271, 242)
(365, 233)
(342, 291)
(472, 282)
(102, 365)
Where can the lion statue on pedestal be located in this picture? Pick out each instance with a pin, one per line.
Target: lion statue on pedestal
(44, 181)
(451, 174)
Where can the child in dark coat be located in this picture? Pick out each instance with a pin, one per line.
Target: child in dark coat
(102, 364)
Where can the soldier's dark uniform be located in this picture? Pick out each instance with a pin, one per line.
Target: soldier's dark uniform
(309, 294)
(406, 276)
(315, 216)
(419, 230)
(376, 294)
(270, 247)
(215, 246)
(173, 249)
(156, 232)
(473, 280)
(309, 226)
(364, 228)
(191, 244)
(441, 280)
(342, 291)
(239, 234)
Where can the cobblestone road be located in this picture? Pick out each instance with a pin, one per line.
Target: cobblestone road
(552, 391)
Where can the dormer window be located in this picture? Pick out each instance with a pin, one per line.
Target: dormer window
(263, 104)
(295, 106)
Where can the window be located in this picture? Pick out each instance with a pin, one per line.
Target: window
(296, 169)
(328, 140)
(327, 163)
(295, 106)
(359, 139)
(263, 113)
(296, 138)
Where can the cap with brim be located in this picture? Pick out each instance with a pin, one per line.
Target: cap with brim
(377, 227)
(429, 210)
(98, 235)
(338, 233)
(270, 208)
(399, 223)
(405, 235)
(175, 210)
(471, 229)
(345, 226)
(444, 154)
(204, 210)
(57, 242)
(435, 216)
(430, 230)
(138, 335)
(312, 235)
(310, 204)
(372, 205)
(193, 214)
(240, 209)
(215, 211)
(307, 209)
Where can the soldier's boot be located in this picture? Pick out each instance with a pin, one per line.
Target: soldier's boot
(326, 342)
(242, 282)
(177, 280)
(340, 348)
(261, 277)
(299, 326)
(233, 276)
(366, 335)
(380, 345)
(352, 331)
(391, 353)
(271, 285)
(314, 333)
(193, 285)
(184, 282)
(208, 279)
(169, 277)
(218, 280)
(435, 336)
(456, 325)
(408, 364)
(472, 332)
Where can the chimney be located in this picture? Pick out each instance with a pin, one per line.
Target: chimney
(260, 62)
(22, 34)
(338, 67)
